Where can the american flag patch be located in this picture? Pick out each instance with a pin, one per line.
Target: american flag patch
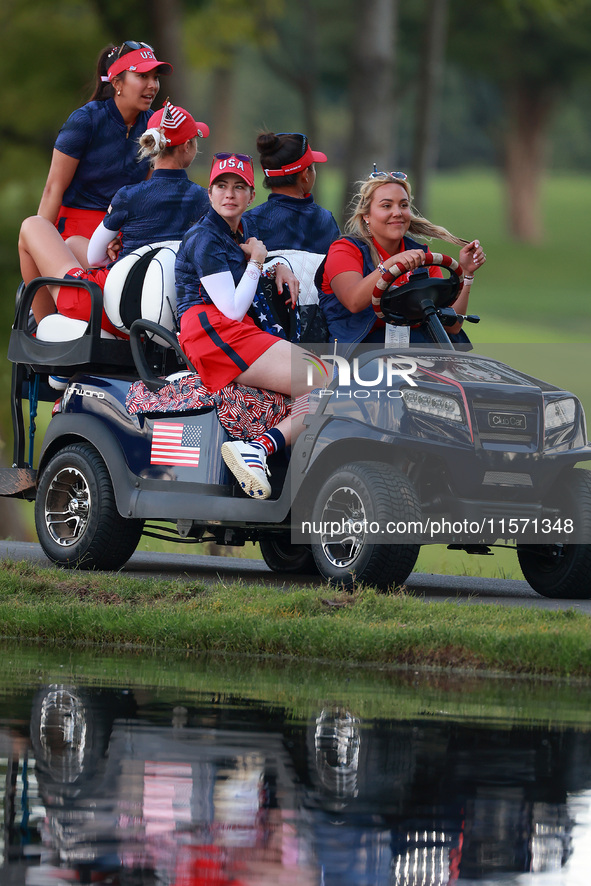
(175, 444)
(172, 117)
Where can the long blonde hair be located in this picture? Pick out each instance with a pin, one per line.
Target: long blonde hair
(419, 227)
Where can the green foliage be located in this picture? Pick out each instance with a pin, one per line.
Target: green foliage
(303, 688)
(215, 30)
(538, 41)
(47, 53)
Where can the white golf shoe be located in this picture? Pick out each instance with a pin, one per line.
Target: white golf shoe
(248, 463)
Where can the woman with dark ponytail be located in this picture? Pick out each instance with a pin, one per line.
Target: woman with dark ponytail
(290, 219)
(96, 150)
(103, 89)
(290, 223)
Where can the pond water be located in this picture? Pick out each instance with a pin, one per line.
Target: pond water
(140, 769)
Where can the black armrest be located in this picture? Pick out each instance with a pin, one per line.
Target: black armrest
(96, 301)
(65, 357)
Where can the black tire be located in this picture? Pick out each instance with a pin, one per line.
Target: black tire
(76, 517)
(563, 571)
(281, 556)
(374, 493)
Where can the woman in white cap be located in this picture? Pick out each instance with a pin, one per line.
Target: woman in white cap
(218, 268)
(161, 208)
(95, 153)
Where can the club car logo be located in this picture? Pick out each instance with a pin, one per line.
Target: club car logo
(381, 371)
(513, 420)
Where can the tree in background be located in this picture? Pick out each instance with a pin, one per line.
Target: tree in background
(371, 90)
(428, 104)
(215, 32)
(533, 50)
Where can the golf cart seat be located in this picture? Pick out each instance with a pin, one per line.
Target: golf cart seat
(140, 285)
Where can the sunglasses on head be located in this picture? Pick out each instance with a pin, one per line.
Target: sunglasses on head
(225, 155)
(401, 176)
(131, 46)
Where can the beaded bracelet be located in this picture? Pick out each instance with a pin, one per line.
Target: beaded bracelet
(468, 278)
(256, 263)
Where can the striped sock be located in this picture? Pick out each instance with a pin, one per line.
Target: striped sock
(271, 441)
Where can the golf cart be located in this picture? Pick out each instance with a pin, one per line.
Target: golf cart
(455, 448)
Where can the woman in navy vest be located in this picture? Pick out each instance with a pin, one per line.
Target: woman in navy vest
(378, 237)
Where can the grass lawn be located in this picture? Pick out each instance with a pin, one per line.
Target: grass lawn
(94, 610)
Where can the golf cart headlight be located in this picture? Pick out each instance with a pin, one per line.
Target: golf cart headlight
(559, 413)
(429, 403)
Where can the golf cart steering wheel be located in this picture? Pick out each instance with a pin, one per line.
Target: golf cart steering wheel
(405, 304)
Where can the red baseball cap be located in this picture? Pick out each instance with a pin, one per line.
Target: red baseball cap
(139, 60)
(307, 158)
(239, 164)
(177, 125)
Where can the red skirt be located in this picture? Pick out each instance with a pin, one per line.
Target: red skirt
(80, 222)
(75, 303)
(220, 348)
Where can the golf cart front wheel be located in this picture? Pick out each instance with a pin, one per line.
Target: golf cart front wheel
(354, 510)
(563, 571)
(557, 571)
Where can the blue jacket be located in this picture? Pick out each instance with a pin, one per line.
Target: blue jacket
(207, 248)
(347, 327)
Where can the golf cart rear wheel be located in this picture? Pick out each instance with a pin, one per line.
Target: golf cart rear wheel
(563, 571)
(76, 516)
(356, 507)
(281, 556)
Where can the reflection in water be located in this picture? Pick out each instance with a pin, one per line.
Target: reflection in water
(62, 733)
(134, 788)
(336, 743)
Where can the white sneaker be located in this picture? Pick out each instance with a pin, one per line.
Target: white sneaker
(248, 463)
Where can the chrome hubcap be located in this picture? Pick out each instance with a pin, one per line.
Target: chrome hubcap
(67, 507)
(344, 527)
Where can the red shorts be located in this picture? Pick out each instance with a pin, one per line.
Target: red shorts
(220, 348)
(80, 222)
(75, 303)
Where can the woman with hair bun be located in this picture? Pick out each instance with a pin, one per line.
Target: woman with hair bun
(290, 223)
(95, 152)
(161, 208)
(290, 219)
(168, 203)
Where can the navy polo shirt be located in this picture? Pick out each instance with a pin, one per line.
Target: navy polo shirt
(285, 222)
(97, 136)
(208, 248)
(162, 208)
